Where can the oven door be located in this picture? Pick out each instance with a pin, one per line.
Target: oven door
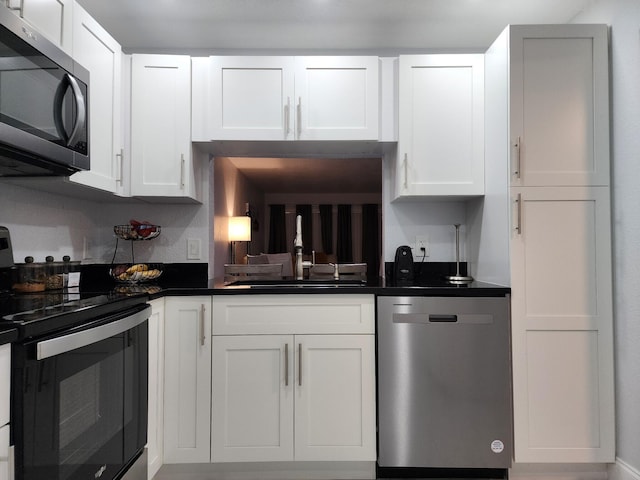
(80, 410)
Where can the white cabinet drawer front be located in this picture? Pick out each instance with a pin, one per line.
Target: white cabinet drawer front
(5, 383)
(293, 314)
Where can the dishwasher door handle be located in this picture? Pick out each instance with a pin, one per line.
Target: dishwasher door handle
(443, 318)
(427, 318)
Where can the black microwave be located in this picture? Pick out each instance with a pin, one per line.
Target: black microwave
(44, 104)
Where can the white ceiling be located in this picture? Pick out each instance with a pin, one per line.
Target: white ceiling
(381, 25)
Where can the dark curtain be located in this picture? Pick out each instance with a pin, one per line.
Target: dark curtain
(344, 250)
(371, 239)
(277, 229)
(307, 228)
(326, 227)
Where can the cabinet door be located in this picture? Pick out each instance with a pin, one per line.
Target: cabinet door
(336, 98)
(52, 18)
(156, 387)
(252, 405)
(98, 52)
(187, 380)
(562, 325)
(161, 161)
(251, 98)
(441, 126)
(335, 398)
(559, 105)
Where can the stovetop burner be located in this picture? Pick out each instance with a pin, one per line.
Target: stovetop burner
(35, 314)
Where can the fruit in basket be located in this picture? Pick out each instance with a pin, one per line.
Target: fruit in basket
(142, 229)
(140, 272)
(138, 267)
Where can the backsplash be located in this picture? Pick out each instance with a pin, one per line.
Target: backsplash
(44, 224)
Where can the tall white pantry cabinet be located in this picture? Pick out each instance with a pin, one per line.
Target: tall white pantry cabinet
(547, 122)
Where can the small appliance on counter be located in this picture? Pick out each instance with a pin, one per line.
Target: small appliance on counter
(403, 269)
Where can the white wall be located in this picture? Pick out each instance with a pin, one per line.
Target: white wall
(44, 224)
(403, 221)
(624, 18)
(230, 191)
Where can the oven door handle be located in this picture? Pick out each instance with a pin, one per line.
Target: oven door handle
(66, 343)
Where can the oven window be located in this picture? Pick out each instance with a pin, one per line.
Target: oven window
(83, 413)
(86, 421)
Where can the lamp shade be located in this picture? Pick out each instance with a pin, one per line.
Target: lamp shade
(240, 229)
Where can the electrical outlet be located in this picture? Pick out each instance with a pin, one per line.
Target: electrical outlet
(422, 246)
(193, 249)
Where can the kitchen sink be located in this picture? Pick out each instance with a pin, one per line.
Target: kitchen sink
(290, 283)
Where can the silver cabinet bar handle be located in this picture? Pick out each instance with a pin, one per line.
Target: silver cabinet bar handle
(406, 172)
(203, 337)
(300, 364)
(516, 168)
(518, 202)
(120, 166)
(182, 171)
(286, 364)
(287, 117)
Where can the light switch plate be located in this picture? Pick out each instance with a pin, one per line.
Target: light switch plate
(194, 247)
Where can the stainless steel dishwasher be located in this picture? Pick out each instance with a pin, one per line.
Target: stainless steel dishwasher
(444, 382)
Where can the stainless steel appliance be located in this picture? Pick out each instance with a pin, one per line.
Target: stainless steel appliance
(44, 126)
(444, 382)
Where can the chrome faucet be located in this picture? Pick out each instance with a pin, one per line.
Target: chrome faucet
(297, 246)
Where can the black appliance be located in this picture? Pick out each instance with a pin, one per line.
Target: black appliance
(403, 269)
(79, 376)
(44, 97)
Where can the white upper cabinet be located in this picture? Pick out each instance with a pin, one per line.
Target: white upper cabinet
(51, 18)
(293, 98)
(161, 158)
(99, 53)
(440, 126)
(336, 98)
(559, 108)
(251, 98)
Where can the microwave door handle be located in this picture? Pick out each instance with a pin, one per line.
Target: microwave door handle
(66, 343)
(81, 119)
(57, 108)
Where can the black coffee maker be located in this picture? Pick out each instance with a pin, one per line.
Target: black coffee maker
(403, 270)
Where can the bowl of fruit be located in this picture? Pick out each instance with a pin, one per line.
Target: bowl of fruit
(136, 273)
(137, 230)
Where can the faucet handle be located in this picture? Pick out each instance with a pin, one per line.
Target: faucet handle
(336, 274)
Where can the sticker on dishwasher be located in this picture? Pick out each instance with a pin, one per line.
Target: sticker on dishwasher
(497, 446)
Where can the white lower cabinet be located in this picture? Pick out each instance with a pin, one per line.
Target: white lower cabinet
(561, 325)
(156, 388)
(304, 396)
(252, 401)
(187, 379)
